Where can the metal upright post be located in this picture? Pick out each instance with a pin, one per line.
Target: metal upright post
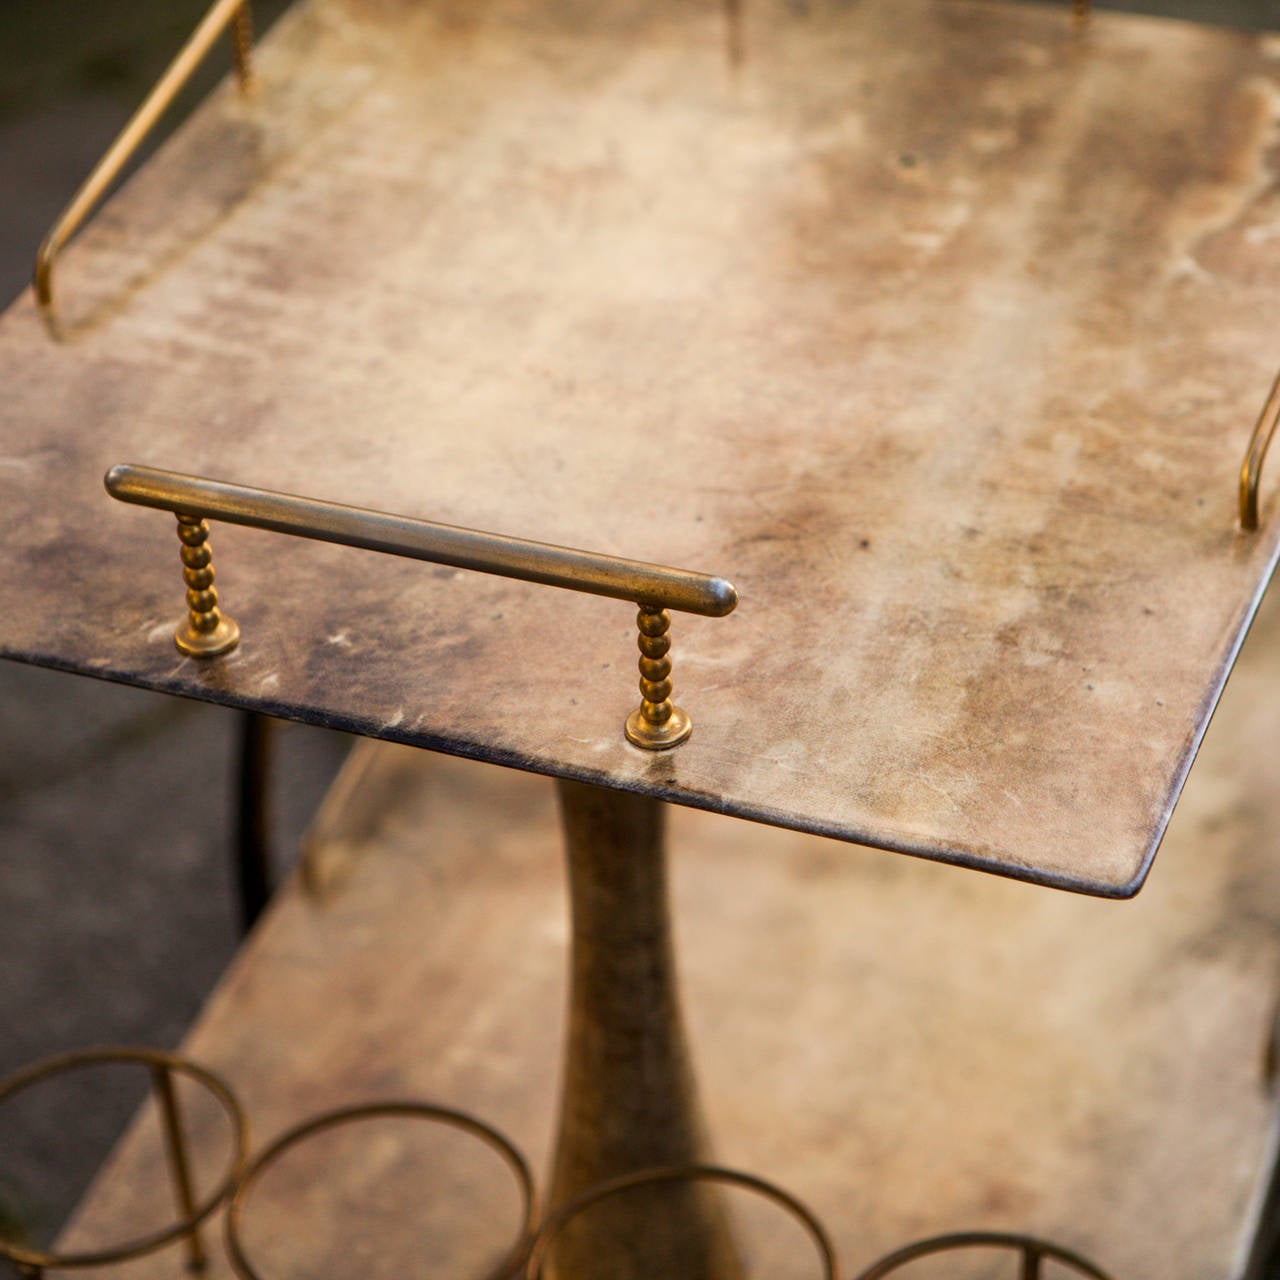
(628, 1097)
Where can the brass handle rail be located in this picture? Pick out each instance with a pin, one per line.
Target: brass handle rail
(655, 724)
(222, 15)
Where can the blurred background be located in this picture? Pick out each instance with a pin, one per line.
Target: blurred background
(118, 904)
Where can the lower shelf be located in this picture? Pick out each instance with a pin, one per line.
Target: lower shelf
(910, 1048)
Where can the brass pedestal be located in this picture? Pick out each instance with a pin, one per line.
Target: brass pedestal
(629, 1099)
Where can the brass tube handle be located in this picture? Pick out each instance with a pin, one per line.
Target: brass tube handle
(1251, 468)
(655, 725)
(461, 548)
(220, 16)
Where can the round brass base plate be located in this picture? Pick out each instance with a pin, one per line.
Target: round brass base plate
(671, 734)
(208, 644)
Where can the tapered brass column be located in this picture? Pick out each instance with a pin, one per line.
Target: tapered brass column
(628, 1097)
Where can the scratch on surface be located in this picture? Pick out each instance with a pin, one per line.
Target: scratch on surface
(342, 640)
(729, 753)
(269, 681)
(788, 522)
(395, 719)
(159, 631)
(937, 787)
(939, 734)
(782, 764)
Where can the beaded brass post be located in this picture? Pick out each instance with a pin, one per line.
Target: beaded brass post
(207, 632)
(657, 723)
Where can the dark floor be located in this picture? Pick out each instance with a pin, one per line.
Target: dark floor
(117, 903)
(117, 910)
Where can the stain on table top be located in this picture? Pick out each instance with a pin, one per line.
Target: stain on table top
(937, 328)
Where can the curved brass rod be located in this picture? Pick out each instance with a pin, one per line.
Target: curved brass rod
(460, 1120)
(1251, 468)
(596, 574)
(1034, 1251)
(163, 1066)
(222, 15)
(555, 1222)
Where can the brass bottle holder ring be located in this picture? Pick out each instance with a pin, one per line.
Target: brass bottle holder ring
(556, 1221)
(382, 1110)
(163, 1067)
(1035, 1253)
(526, 1255)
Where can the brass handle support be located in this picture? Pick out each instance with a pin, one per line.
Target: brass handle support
(655, 725)
(223, 14)
(657, 722)
(207, 632)
(1251, 468)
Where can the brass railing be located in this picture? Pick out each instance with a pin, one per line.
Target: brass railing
(225, 13)
(1251, 468)
(657, 723)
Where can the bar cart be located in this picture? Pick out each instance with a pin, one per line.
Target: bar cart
(931, 334)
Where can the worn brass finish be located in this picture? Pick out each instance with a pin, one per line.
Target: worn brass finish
(242, 46)
(657, 723)
(163, 1067)
(555, 1222)
(179, 1164)
(224, 13)
(628, 1096)
(506, 1266)
(553, 566)
(1080, 11)
(1251, 468)
(207, 632)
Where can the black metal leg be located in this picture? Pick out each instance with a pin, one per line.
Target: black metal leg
(253, 853)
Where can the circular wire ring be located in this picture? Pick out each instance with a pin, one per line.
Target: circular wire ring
(1033, 1251)
(556, 1221)
(156, 1059)
(376, 1110)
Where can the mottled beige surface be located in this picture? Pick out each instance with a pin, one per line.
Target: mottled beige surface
(938, 330)
(910, 1048)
